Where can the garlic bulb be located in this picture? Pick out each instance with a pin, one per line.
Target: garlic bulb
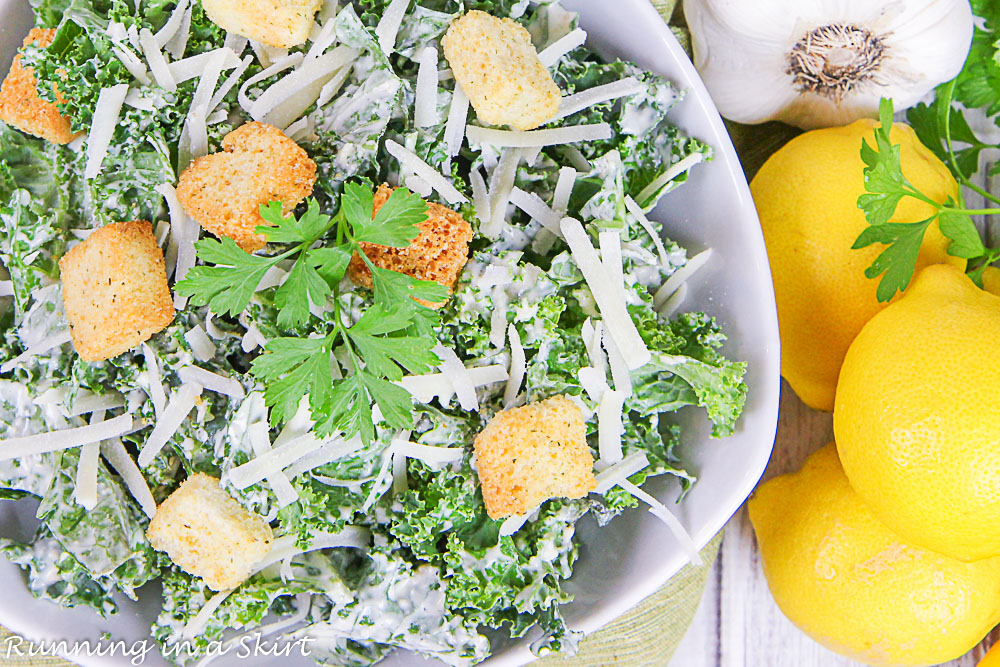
(820, 63)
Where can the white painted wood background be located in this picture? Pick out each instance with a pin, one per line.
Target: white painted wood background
(738, 624)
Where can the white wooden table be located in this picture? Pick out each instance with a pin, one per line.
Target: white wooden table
(738, 623)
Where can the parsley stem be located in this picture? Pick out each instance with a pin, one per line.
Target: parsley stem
(947, 94)
(974, 211)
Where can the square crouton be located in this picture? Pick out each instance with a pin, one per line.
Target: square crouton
(259, 164)
(496, 65)
(527, 455)
(20, 105)
(115, 290)
(277, 23)
(208, 534)
(438, 253)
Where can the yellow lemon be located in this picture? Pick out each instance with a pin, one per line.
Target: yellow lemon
(806, 196)
(991, 280)
(917, 419)
(852, 585)
(992, 658)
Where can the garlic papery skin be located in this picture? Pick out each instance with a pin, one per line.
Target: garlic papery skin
(822, 63)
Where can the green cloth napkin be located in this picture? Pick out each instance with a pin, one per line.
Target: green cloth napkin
(649, 633)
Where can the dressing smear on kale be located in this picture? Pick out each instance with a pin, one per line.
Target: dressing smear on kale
(387, 543)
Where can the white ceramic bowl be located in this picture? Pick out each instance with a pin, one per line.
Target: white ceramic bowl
(635, 555)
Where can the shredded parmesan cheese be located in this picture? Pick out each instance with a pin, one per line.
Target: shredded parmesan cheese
(106, 114)
(512, 524)
(517, 367)
(231, 81)
(49, 342)
(606, 294)
(131, 62)
(680, 276)
(85, 491)
(454, 370)
(670, 174)
(610, 91)
(533, 138)
(193, 67)
(199, 621)
(174, 414)
(325, 38)
(644, 222)
(260, 441)
(411, 161)
(619, 369)
(501, 186)
(286, 99)
(425, 388)
(533, 205)
(87, 402)
(480, 197)
(201, 345)
(498, 318)
(212, 381)
(116, 454)
(674, 301)
(157, 63)
(388, 26)
(285, 546)
(178, 43)
(156, 393)
(399, 481)
(169, 29)
(429, 453)
(609, 426)
(283, 455)
(332, 450)
(593, 381)
(458, 114)
(660, 511)
(42, 443)
(615, 474)
(551, 54)
(425, 104)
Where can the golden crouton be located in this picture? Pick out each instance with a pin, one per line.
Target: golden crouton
(115, 290)
(527, 455)
(496, 65)
(437, 254)
(208, 534)
(277, 23)
(20, 105)
(259, 164)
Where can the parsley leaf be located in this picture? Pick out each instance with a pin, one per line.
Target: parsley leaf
(305, 229)
(392, 288)
(978, 84)
(396, 222)
(959, 227)
(303, 285)
(939, 126)
(899, 259)
(227, 287)
(293, 368)
(884, 179)
(394, 335)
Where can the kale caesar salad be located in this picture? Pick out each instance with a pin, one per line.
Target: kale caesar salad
(334, 318)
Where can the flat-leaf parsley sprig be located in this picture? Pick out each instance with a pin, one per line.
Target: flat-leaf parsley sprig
(886, 186)
(394, 334)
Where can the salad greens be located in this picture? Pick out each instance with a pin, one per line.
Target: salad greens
(943, 128)
(316, 356)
